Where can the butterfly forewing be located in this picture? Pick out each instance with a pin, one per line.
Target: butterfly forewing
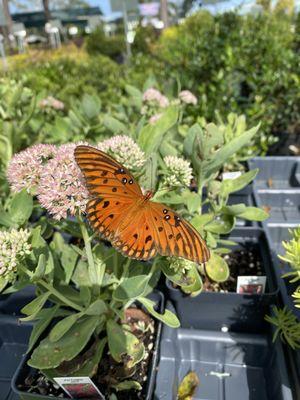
(104, 176)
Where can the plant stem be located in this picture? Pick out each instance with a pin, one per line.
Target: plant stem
(126, 268)
(88, 249)
(60, 296)
(52, 290)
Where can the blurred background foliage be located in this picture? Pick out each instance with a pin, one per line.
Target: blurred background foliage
(247, 65)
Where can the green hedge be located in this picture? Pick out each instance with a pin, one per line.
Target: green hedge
(243, 64)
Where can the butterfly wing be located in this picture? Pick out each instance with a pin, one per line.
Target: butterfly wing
(174, 236)
(113, 189)
(136, 227)
(104, 176)
(134, 237)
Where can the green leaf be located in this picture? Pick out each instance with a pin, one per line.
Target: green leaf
(188, 144)
(149, 178)
(62, 327)
(123, 344)
(233, 185)
(21, 207)
(234, 210)
(6, 220)
(214, 137)
(199, 221)
(221, 226)
(136, 96)
(217, 268)
(34, 307)
(167, 318)
(131, 288)
(189, 280)
(114, 125)
(97, 308)
(151, 136)
(40, 269)
(3, 283)
(188, 386)
(254, 214)
(193, 202)
(68, 261)
(225, 152)
(127, 385)
(91, 105)
(51, 354)
(37, 241)
(39, 327)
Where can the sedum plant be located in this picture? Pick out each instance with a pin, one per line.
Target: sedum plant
(83, 286)
(286, 323)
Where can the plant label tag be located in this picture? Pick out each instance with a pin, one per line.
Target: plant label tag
(231, 175)
(79, 387)
(251, 284)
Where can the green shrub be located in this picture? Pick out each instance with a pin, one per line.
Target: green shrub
(242, 64)
(111, 46)
(66, 78)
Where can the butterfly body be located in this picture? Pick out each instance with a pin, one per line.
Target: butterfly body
(136, 226)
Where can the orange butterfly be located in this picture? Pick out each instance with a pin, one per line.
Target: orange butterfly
(135, 226)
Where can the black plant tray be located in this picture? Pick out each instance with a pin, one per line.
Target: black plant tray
(12, 304)
(23, 369)
(281, 173)
(236, 312)
(283, 206)
(230, 366)
(13, 344)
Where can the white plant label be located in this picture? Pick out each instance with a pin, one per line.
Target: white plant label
(251, 284)
(231, 175)
(80, 387)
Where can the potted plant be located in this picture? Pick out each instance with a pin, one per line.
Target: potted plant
(92, 306)
(211, 214)
(15, 288)
(285, 320)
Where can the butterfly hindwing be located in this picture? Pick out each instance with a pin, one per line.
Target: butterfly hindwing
(175, 236)
(136, 240)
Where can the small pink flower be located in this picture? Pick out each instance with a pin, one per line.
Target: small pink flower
(151, 95)
(188, 97)
(51, 102)
(154, 95)
(154, 118)
(25, 168)
(62, 190)
(163, 102)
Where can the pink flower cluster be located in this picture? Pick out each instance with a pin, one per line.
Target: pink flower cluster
(61, 188)
(52, 102)
(155, 96)
(26, 167)
(53, 175)
(188, 97)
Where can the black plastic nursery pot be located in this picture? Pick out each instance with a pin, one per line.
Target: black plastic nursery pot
(12, 304)
(230, 311)
(24, 370)
(282, 205)
(230, 366)
(13, 344)
(276, 172)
